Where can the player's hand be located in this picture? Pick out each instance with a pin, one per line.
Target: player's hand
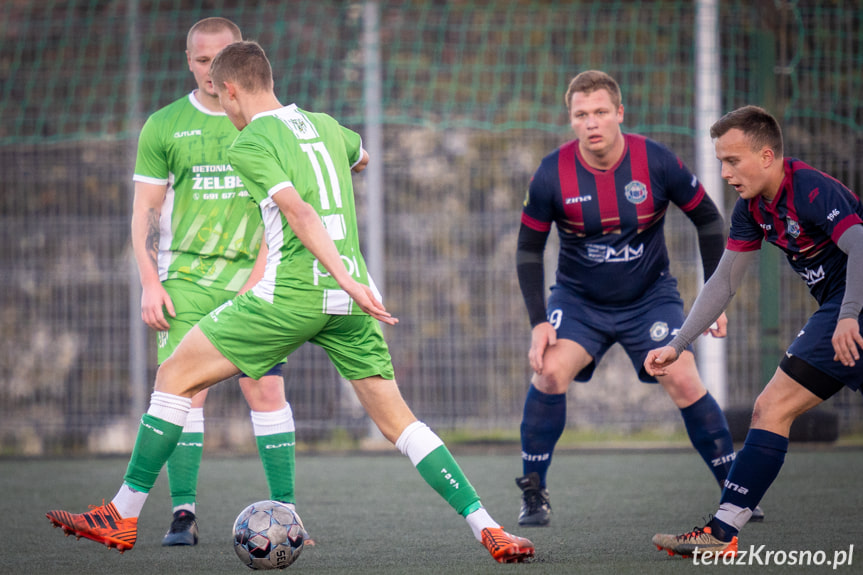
(541, 337)
(847, 341)
(719, 329)
(365, 298)
(153, 299)
(658, 360)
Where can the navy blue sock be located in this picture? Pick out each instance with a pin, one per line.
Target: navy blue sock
(709, 434)
(755, 468)
(721, 530)
(541, 426)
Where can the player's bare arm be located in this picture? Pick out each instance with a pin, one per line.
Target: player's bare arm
(146, 209)
(306, 224)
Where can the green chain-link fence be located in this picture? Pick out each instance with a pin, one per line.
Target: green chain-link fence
(471, 99)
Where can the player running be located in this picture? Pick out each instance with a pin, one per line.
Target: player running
(316, 288)
(816, 221)
(607, 192)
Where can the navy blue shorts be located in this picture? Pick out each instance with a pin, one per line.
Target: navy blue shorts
(645, 324)
(814, 346)
(275, 370)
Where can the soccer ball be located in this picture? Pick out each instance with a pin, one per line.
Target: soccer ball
(268, 535)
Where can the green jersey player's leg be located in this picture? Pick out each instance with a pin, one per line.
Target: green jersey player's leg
(272, 418)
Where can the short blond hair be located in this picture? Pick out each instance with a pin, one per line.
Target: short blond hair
(591, 81)
(213, 25)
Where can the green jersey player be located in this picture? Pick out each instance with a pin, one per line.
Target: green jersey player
(196, 238)
(315, 288)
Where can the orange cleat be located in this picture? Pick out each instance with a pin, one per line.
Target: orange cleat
(101, 524)
(505, 547)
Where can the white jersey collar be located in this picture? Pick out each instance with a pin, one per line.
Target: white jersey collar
(201, 108)
(273, 112)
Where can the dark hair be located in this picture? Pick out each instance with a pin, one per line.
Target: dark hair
(591, 81)
(244, 63)
(213, 26)
(756, 123)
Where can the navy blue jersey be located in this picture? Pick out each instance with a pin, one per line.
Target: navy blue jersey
(805, 220)
(610, 222)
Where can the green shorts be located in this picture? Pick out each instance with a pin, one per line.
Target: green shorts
(191, 303)
(254, 334)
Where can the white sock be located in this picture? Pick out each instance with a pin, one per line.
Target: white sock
(129, 502)
(479, 520)
(195, 421)
(190, 507)
(733, 515)
(417, 441)
(273, 422)
(171, 408)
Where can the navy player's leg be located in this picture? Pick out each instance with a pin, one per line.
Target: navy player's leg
(763, 453)
(757, 465)
(805, 378)
(814, 347)
(580, 344)
(544, 416)
(652, 322)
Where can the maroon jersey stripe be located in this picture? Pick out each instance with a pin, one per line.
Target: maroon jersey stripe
(568, 174)
(646, 210)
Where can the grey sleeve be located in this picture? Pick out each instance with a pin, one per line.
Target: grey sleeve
(714, 297)
(851, 242)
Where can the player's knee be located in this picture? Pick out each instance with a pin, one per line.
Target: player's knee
(273, 388)
(769, 413)
(683, 386)
(169, 379)
(552, 381)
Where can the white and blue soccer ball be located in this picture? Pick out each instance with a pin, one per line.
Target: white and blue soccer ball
(268, 535)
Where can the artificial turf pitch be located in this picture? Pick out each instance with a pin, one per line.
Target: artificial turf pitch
(372, 513)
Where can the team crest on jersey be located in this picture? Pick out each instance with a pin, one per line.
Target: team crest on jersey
(635, 192)
(792, 227)
(659, 331)
(302, 128)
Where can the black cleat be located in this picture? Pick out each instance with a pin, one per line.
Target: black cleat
(535, 505)
(757, 515)
(183, 531)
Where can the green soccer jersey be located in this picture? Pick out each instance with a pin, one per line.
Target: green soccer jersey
(314, 154)
(210, 232)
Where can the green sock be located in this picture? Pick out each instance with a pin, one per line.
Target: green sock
(156, 440)
(277, 455)
(183, 467)
(440, 470)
